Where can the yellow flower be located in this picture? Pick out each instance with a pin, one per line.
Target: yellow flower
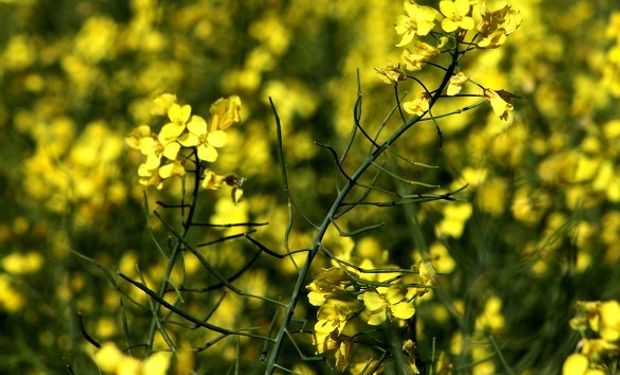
(133, 139)
(610, 321)
(171, 169)
(391, 74)
(149, 177)
(496, 25)
(178, 116)
(501, 102)
(456, 83)
(202, 139)
(225, 112)
(415, 58)
(108, 357)
(390, 301)
(419, 20)
(493, 40)
(162, 103)
(455, 13)
(154, 149)
(334, 314)
(575, 364)
(211, 180)
(419, 105)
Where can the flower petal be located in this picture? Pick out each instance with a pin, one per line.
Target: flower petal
(197, 125)
(207, 153)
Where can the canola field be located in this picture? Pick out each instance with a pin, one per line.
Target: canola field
(310, 187)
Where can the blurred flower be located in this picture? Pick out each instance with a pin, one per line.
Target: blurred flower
(204, 140)
(393, 301)
(329, 283)
(456, 83)
(416, 57)
(419, 105)
(334, 314)
(178, 116)
(496, 25)
(211, 180)
(113, 361)
(456, 15)
(154, 148)
(391, 74)
(419, 20)
(501, 102)
(162, 103)
(225, 112)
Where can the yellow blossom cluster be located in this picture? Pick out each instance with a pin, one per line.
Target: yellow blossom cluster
(457, 18)
(167, 151)
(112, 360)
(597, 352)
(345, 295)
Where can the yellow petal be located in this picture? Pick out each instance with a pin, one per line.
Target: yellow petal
(610, 321)
(316, 298)
(189, 140)
(162, 103)
(467, 23)
(325, 326)
(133, 139)
(403, 310)
(461, 7)
(171, 150)
(108, 357)
(170, 132)
(170, 169)
(147, 145)
(448, 25)
(207, 153)
(179, 114)
(129, 366)
(152, 162)
(156, 364)
(211, 180)
(373, 301)
(575, 364)
(377, 317)
(197, 125)
(394, 295)
(446, 8)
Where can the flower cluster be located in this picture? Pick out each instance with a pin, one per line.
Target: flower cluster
(169, 151)
(347, 297)
(112, 360)
(456, 18)
(599, 325)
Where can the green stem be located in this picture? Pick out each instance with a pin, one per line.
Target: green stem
(394, 340)
(176, 250)
(288, 314)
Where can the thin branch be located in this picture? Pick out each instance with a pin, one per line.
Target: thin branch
(334, 154)
(155, 296)
(287, 190)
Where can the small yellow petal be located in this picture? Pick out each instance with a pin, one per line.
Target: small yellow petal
(171, 150)
(403, 310)
(197, 125)
(575, 364)
(156, 364)
(377, 317)
(207, 153)
(108, 357)
(372, 300)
